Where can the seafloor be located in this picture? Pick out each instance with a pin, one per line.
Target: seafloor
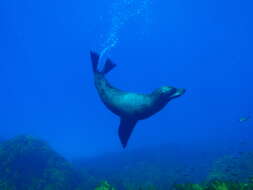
(27, 163)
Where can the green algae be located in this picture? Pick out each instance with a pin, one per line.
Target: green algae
(104, 185)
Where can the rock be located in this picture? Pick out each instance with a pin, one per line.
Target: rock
(30, 164)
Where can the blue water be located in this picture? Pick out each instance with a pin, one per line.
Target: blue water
(47, 85)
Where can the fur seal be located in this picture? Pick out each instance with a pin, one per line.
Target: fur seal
(130, 107)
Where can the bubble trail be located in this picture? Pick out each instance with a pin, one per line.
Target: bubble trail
(120, 13)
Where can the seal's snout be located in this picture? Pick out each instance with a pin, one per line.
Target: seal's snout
(179, 92)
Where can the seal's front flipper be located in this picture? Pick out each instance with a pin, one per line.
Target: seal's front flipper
(125, 129)
(109, 65)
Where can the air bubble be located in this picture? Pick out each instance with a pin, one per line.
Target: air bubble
(121, 12)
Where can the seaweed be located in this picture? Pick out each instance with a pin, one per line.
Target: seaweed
(104, 185)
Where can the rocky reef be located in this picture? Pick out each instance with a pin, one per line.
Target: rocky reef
(215, 185)
(30, 164)
(27, 163)
(237, 168)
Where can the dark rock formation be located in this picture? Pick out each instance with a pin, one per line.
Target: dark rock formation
(30, 164)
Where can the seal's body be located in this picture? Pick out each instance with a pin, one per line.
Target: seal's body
(130, 107)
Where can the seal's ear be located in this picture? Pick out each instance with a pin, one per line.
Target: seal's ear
(125, 130)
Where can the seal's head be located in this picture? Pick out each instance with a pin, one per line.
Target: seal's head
(166, 93)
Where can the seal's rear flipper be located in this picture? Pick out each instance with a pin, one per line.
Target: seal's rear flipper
(109, 65)
(94, 59)
(125, 129)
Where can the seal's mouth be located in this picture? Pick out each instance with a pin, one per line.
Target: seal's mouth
(179, 92)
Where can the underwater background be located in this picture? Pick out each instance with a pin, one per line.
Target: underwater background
(54, 127)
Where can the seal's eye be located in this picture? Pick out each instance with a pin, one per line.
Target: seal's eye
(167, 91)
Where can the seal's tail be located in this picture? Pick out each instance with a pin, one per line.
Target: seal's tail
(109, 65)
